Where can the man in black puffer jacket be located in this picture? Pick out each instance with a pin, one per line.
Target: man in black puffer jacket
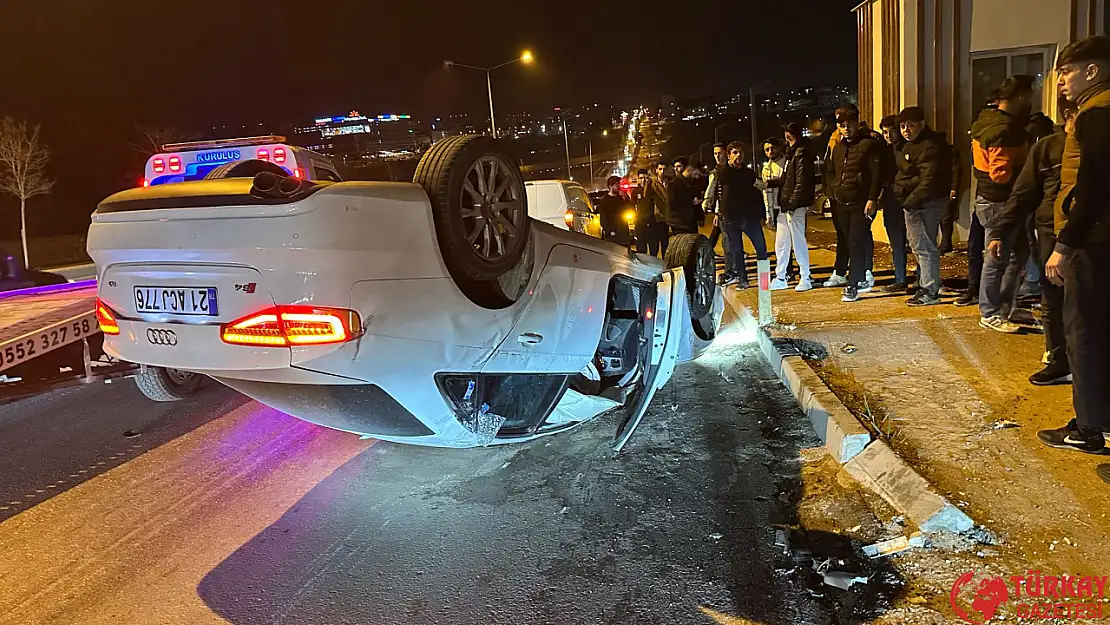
(796, 194)
(857, 183)
(923, 185)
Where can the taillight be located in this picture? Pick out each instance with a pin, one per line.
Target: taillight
(279, 155)
(569, 218)
(106, 318)
(159, 165)
(263, 154)
(175, 163)
(285, 326)
(298, 173)
(146, 183)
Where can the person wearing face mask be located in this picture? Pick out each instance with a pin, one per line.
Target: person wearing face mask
(1000, 144)
(1082, 254)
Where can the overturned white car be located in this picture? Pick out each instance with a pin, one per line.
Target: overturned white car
(435, 313)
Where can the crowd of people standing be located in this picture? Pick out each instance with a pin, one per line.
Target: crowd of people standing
(1040, 222)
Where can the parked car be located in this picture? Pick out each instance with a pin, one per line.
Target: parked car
(563, 204)
(437, 313)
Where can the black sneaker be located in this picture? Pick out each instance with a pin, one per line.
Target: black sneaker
(1051, 375)
(1069, 437)
(897, 287)
(726, 279)
(851, 294)
(968, 299)
(1104, 472)
(923, 298)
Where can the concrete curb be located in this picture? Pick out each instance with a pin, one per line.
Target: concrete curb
(871, 462)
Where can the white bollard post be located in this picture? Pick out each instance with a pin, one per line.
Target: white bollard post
(766, 316)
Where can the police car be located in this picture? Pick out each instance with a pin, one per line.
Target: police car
(434, 313)
(224, 158)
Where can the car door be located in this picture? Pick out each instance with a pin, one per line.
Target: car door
(560, 329)
(670, 318)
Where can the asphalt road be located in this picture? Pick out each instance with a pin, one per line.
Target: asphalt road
(222, 511)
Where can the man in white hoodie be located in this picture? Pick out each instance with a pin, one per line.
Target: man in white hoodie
(787, 182)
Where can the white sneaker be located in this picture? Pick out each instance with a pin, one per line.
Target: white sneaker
(778, 284)
(865, 286)
(804, 285)
(836, 280)
(870, 279)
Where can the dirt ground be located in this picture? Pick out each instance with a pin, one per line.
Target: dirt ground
(954, 400)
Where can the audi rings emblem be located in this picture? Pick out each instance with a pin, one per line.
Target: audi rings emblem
(158, 336)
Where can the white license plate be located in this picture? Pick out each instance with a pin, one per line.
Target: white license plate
(177, 300)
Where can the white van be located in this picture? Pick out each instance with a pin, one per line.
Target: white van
(563, 204)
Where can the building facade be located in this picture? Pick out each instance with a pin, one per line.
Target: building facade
(356, 139)
(947, 56)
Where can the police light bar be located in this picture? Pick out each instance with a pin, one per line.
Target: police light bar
(222, 143)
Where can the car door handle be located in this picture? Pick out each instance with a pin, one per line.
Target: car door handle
(530, 338)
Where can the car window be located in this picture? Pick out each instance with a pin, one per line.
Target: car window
(319, 173)
(578, 200)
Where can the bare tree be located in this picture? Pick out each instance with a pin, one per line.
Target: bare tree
(150, 139)
(22, 168)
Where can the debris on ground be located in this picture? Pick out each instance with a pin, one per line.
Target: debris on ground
(131, 433)
(895, 545)
(849, 348)
(843, 580)
(1004, 424)
(716, 536)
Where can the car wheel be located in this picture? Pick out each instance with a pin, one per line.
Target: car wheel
(163, 385)
(478, 204)
(245, 169)
(694, 255)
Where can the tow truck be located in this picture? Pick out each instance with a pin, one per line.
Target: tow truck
(50, 339)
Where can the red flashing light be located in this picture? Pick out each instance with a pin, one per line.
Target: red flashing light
(298, 173)
(175, 163)
(146, 183)
(106, 319)
(569, 218)
(159, 165)
(286, 326)
(263, 154)
(279, 155)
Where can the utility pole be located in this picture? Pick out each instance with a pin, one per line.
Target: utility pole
(591, 163)
(489, 89)
(755, 140)
(566, 142)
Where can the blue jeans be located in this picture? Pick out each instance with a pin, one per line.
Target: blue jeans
(923, 227)
(735, 230)
(1002, 273)
(894, 218)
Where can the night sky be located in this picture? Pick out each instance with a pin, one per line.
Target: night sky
(90, 71)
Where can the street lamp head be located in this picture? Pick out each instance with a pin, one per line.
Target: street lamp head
(448, 63)
(605, 133)
(526, 56)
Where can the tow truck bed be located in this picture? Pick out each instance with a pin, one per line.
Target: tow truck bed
(49, 338)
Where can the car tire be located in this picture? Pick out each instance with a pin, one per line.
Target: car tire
(695, 256)
(245, 169)
(165, 385)
(456, 173)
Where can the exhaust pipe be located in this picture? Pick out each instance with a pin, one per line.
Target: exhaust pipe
(265, 183)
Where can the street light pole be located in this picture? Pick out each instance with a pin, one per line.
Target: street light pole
(525, 57)
(751, 103)
(566, 142)
(591, 163)
(492, 122)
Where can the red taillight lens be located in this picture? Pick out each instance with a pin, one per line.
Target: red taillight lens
(284, 326)
(279, 155)
(569, 218)
(159, 165)
(146, 183)
(298, 173)
(263, 154)
(175, 163)
(106, 318)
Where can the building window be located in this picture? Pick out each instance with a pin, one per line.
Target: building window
(989, 69)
